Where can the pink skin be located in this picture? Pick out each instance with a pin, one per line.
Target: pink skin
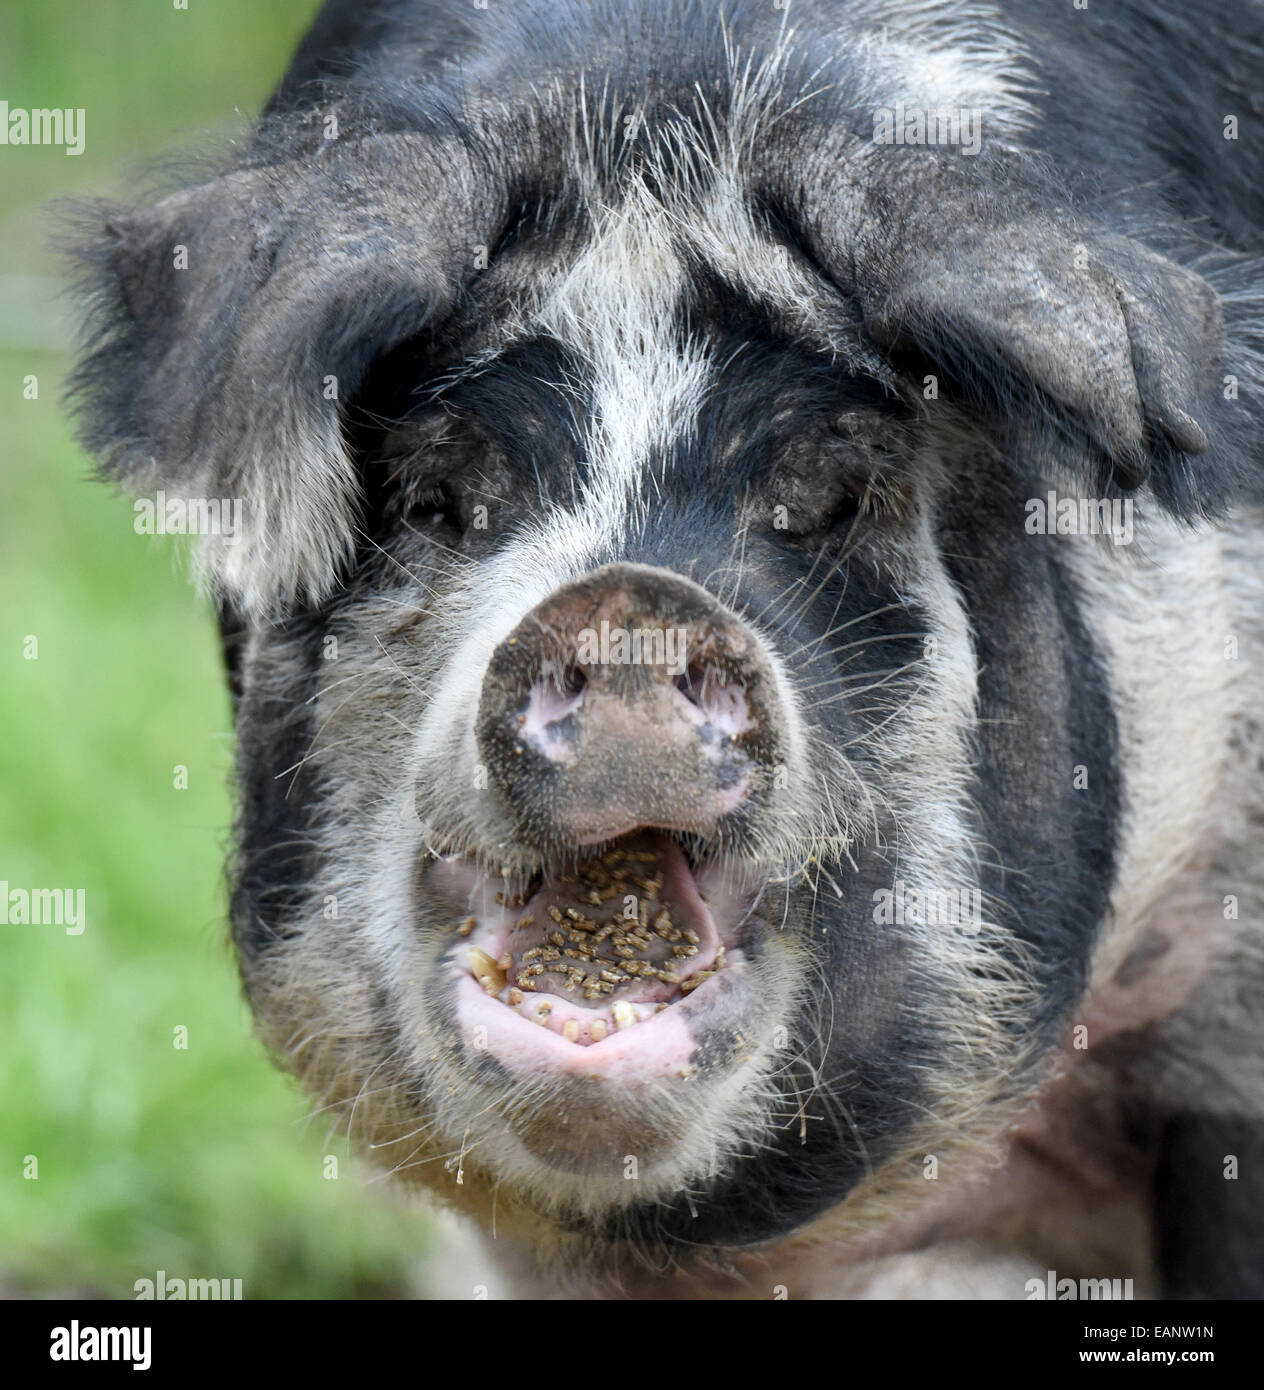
(688, 704)
(658, 1048)
(547, 706)
(528, 1037)
(720, 702)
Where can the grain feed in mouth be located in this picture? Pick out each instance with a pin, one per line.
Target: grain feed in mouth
(611, 936)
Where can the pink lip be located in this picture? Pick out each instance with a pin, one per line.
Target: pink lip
(658, 1048)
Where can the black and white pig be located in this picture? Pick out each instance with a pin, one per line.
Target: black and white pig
(745, 627)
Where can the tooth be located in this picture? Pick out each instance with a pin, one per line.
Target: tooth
(515, 996)
(570, 1030)
(598, 1029)
(467, 926)
(543, 1012)
(504, 962)
(624, 1014)
(486, 971)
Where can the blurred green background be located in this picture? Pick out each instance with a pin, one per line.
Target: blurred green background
(201, 1162)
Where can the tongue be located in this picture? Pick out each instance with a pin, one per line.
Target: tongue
(628, 925)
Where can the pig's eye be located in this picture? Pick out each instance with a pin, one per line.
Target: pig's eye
(416, 489)
(435, 477)
(816, 509)
(818, 488)
(843, 502)
(826, 484)
(437, 507)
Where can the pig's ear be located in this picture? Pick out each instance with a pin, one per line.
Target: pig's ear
(1121, 343)
(226, 325)
(1057, 327)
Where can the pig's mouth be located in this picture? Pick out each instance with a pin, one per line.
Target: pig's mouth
(607, 964)
(606, 945)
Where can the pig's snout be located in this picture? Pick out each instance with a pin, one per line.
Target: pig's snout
(631, 697)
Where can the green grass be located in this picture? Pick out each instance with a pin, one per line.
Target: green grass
(197, 1161)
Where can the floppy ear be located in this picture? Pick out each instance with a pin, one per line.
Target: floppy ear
(229, 321)
(1033, 313)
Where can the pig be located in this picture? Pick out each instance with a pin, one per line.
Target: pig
(745, 625)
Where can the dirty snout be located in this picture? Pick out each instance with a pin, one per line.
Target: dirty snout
(631, 697)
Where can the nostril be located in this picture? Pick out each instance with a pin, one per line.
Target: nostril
(557, 695)
(722, 702)
(573, 680)
(692, 683)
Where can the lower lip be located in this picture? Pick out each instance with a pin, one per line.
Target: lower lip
(661, 1047)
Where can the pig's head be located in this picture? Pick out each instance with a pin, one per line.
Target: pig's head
(658, 731)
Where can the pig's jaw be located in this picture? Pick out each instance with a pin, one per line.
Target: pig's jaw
(601, 970)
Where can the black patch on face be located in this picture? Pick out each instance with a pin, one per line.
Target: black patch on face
(274, 865)
(1211, 1234)
(431, 445)
(1045, 710)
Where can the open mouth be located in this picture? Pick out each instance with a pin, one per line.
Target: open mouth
(607, 945)
(605, 956)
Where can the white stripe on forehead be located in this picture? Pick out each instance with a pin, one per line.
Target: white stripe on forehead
(619, 308)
